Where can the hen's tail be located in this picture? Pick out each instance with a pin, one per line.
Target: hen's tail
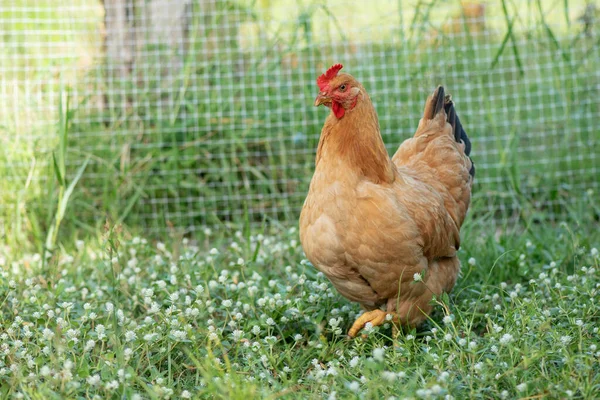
(438, 101)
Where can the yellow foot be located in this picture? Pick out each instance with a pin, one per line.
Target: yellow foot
(375, 317)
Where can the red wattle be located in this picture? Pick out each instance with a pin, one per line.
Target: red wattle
(337, 109)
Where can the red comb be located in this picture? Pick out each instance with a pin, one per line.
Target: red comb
(331, 73)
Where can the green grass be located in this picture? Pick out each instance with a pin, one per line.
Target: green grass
(243, 315)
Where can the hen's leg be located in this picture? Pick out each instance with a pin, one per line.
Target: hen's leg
(375, 317)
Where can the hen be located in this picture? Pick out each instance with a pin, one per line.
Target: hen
(386, 231)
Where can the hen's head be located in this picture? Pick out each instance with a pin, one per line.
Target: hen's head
(338, 91)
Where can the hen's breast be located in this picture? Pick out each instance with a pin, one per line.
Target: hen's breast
(361, 238)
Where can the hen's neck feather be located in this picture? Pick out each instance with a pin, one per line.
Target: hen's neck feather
(356, 140)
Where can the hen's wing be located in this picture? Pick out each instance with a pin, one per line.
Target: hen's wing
(439, 154)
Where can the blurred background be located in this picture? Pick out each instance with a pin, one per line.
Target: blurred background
(181, 115)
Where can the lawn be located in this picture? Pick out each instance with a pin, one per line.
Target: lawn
(242, 314)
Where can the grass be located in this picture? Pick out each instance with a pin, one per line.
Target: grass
(242, 314)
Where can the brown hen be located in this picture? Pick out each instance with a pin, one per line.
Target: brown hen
(386, 231)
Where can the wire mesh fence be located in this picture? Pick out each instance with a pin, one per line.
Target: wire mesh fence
(195, 112)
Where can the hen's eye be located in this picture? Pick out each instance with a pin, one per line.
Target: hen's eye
(343, 87)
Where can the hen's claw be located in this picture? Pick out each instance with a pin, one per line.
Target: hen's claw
(375, 317)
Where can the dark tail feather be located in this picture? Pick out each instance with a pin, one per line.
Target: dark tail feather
(435, 103)
(459, 132)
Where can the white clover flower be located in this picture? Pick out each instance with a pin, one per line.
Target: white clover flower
(506, 338)
(186, 395)
(179, 335)
(112, 385)
(565, 339)
(462, 342)
(417, 277)
(472, 345)
(354, 386)
(237, 334)
(335, 322)
(522, 387)
(472, 261)
(447, 320)
(132, 263)
(93, 380)
(478, 366)
(127, 353)
(579, 322)
(297, 336)
(436, 389)
(494, 349)
(378, 354)
(594, 252)
(409, 337)
(45, 371)
(48, 334)
(270, 322)
(130, 336)
(148, 337)
(72, 334)
(354, 362)
(443, 376)
(388, 376)
(109, 307)
(89, 345)
(213, 252)
(227, 303)
(447, 337)
(270, 339)
(100, 331)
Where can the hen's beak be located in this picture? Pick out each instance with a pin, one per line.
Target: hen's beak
(322, 98)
